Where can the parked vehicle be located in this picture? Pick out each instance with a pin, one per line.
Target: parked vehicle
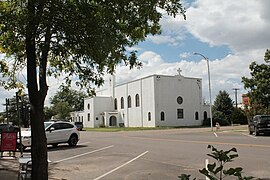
(8, 128)
(56, 133)
(3, 127)
(79, 125)
(259, 124)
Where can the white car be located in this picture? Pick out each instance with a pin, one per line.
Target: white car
(56, 133)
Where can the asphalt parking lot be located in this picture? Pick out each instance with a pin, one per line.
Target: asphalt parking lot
(156, 154)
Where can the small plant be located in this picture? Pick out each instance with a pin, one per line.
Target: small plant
(216, 171)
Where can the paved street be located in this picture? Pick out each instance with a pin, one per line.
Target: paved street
(156, 154)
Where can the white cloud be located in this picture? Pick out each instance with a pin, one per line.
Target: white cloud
(185, 55)
(172, 31)
(5, 94)
(242, 25)
(134, 48)
(163, 40)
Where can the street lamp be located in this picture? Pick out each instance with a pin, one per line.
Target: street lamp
(209, 86)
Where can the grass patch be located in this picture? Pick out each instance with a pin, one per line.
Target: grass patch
(117, 129)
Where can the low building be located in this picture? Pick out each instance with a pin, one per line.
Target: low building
(245, 101)
(152, 101)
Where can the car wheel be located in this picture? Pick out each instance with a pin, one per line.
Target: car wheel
(73, 140)
(55, 145)
(256, 132)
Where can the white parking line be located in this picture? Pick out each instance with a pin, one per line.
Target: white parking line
(249, 135)
(120, 166)
(73, 157)
(215, 134)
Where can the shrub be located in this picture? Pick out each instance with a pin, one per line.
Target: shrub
(238, 116)
(216, 170)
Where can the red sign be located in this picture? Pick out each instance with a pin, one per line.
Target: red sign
(8, 141)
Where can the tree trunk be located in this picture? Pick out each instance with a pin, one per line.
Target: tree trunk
(39, 143)
(36, 98)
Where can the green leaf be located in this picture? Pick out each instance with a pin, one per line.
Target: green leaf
(230, 171)
(204, 171)
(211, 167)
(218, 169)
(185, 177)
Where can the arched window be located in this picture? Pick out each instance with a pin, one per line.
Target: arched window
(88, 106)
(205, 115)
(115, 104)
(196, 116)
(137, 100)
(162, 116)
(88, 117)
(122, 103)
(129, 102)
(149, 116)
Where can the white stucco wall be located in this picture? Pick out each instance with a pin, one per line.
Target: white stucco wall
(148, 101)
(167, 89)
(101, 105)
(137, 116)
(134, 113)
(77, 116)
(121, 91)
(97, 105)
(88, 109)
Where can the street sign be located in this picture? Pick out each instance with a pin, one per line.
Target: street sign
(8, 141)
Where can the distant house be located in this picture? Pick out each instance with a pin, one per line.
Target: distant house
(152, 101)
(245, 101)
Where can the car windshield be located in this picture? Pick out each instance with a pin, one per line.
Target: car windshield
(266, 118)
(46, 124)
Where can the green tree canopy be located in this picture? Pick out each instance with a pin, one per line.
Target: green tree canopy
(238, 116)
(223, 103)
(74, 98)
(223, 107)
(258, 85)
(78, 39)
(267, 55)
(63, 102)
(2, 117)
(63, 110)
(23, 107)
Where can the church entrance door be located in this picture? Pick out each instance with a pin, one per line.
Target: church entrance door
(113, 121)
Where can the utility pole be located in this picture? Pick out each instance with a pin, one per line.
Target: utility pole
(7, 104)
(235, 91)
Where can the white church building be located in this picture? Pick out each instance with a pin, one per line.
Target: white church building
(152, 101)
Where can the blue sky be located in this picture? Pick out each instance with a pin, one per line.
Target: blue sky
(230, 33)
(172, 53)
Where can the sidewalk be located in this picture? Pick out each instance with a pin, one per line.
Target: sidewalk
(9, 168)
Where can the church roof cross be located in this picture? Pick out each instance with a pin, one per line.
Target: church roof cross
(179, 71)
